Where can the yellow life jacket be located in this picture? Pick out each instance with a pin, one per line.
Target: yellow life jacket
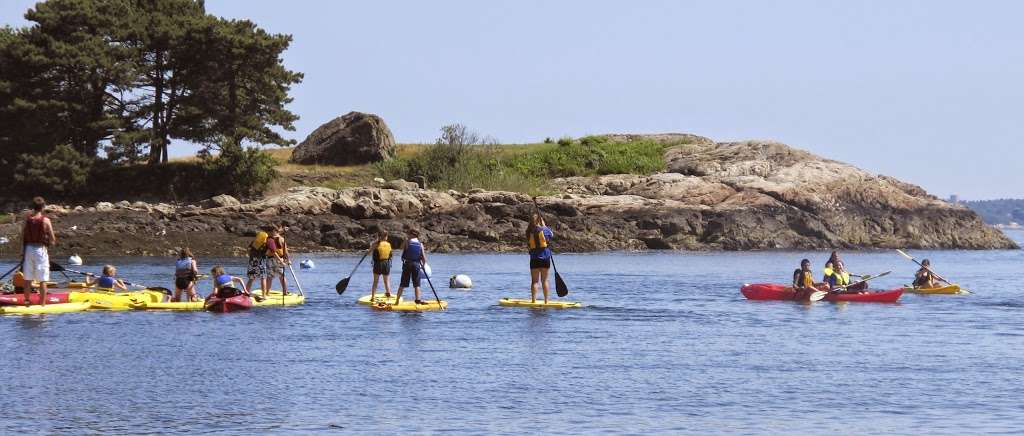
(383, 250)
(842, 279)
(260, 242)
(537, 240)
(805, 280)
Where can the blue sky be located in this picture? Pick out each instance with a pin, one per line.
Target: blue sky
(926, 91)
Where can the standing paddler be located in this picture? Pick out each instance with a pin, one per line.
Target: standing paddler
(37, 236)
(537, 236)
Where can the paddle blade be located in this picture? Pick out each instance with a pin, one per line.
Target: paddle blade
(54, 267)
(904, 254)
(817, 296)
(161, 290)
(340, 287)
(560, 288)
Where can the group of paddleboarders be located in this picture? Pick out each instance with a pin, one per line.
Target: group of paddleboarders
(414, 263)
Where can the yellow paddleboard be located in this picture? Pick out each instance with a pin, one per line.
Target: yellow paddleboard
(274, 298)
(110, 300)
(410, 306)
(170, 305)
(365, 299)
(539, 304)
(49, 308)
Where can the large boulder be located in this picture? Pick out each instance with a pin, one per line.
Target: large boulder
(351, 139)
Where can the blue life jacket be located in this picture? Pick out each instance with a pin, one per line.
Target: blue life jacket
(413, 251)
(222, 280)
(183, 268)
(105, 282)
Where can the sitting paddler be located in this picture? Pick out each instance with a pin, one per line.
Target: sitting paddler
(836, 276)
(107, 281)
(381, 252)
(414, 256)
(537, 236)
(19, 282)
(803, 278)
(924, 277)
(222, 284)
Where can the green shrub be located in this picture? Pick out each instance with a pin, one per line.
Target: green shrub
(242, 172)
(61, 171)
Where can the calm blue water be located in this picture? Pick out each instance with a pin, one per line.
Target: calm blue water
(665, 344)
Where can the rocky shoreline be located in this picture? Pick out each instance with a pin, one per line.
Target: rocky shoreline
(752, 195)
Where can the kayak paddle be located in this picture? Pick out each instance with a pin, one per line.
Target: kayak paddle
(902, 253)
(431, 290)
(10, 271)
(817, 296)
(343, 283)
(865, 280)
(560, 288)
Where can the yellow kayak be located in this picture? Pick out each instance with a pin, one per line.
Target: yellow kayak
(274, 298)
(410, 306)
(539, 304)
(169, 305)
(365, 299)
(49, 308)
(110, 300)
(948, 289)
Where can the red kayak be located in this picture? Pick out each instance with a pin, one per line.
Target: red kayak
(766, 291)
(19, 298)
(236, 302)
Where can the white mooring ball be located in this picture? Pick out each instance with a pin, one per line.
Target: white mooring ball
(460, 281)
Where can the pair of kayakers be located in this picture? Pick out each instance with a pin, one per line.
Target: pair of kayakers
(414, 260)
(836, 277)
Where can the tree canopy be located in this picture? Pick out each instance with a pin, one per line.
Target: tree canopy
(122, 80)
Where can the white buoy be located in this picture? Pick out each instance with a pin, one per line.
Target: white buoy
(460, 281)
(74, 260)
(4, 240)
(307, 264)
(427, 271)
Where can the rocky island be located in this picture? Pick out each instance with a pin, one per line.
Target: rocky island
(749, 195)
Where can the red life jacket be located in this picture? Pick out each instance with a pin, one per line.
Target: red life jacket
(35, 230)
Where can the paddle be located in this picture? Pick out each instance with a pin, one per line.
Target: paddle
(431, 290)
(865, 280)
(560, 288)
(902, 253)
(15, 267)
(297, 284)
(56, 267)
(343, 283)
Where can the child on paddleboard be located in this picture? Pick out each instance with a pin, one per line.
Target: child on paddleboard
(414, 257)
(107, 280)
(381, 252)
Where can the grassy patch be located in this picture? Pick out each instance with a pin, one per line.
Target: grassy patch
(6, 218)
(524, 167)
